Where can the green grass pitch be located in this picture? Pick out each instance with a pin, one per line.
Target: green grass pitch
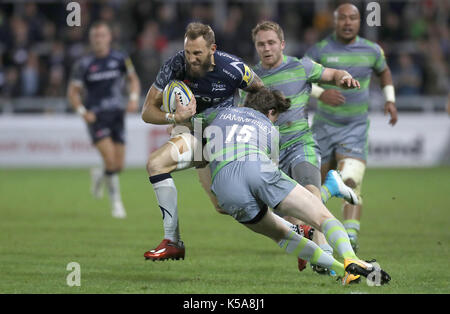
(48, 219)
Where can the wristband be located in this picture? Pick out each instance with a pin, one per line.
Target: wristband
(81, 110)
(170, 117)
(316, 90)
(134, 96)
(389, 93)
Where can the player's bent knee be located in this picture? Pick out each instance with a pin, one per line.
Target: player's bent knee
(182, 152)
(352, 173)
(156, 165)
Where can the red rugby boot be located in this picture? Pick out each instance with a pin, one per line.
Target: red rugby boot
(166, 250)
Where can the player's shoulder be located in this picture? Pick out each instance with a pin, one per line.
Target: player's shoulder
(322, 44)
(118, 54)
(233, 67)
(294, 61)
(368, 44)
(224, 58)
(176, 61)
(85, 60)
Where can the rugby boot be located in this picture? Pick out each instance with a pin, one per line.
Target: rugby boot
(323, 270)
(166, 250)
(307, 232)
(338, 188)
(369, 269)
(349, 279)
(118, 211)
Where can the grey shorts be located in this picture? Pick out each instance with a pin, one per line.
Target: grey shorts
(350, 140)
(245, 188)
(301, 162)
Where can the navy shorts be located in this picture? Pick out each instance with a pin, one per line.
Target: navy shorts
(108, 124)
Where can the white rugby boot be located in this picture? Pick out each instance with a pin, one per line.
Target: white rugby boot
(118, 211)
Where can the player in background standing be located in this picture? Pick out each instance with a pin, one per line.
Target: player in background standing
(100, 77)
(214, 78)
(299, 154)
(246, 181)
(341, 122)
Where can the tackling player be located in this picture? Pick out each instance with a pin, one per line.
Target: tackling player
(341, 123)
(299, 153)
(246, 182)
(214, 78)
(100, 76)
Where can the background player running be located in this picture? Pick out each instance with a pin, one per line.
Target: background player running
(299, 153)
(246, 182)
(341, 122)
(214, 77)
(100, 76)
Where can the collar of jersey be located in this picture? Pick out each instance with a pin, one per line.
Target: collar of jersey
(333, 36)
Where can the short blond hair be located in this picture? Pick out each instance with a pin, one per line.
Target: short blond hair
(268, 26)
(195, 30)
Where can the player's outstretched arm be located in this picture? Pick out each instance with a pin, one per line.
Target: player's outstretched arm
(387, 87)
(330, 96)
(340, 78)
(150, 109)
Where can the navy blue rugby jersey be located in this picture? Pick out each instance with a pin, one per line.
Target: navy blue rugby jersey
(217, 88)
(103, 80)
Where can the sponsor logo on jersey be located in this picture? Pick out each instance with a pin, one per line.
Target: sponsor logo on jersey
(112, 64)
(105, 75)
(218, 87)
(229, 74)
(333, 59)
(93, 68)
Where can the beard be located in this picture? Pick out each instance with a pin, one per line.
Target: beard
(201, 71)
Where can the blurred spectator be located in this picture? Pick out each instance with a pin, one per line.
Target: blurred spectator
(2, 74)
(407, 76)
(30, 76)
(34, 20)
(20, 43)
(55, 86)
(147, 58)
(168, 22)
(38, 48)
(11, 88)
(392, 30)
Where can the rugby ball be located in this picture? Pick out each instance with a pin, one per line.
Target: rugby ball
(172, 90)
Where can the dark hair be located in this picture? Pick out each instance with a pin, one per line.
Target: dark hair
(100, 23)
(266, 99)
(195, 30)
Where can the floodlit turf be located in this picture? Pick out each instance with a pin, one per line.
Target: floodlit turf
(48, 219)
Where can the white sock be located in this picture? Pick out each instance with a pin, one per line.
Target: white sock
(287, 223)
(166, 194)
(112, 183)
